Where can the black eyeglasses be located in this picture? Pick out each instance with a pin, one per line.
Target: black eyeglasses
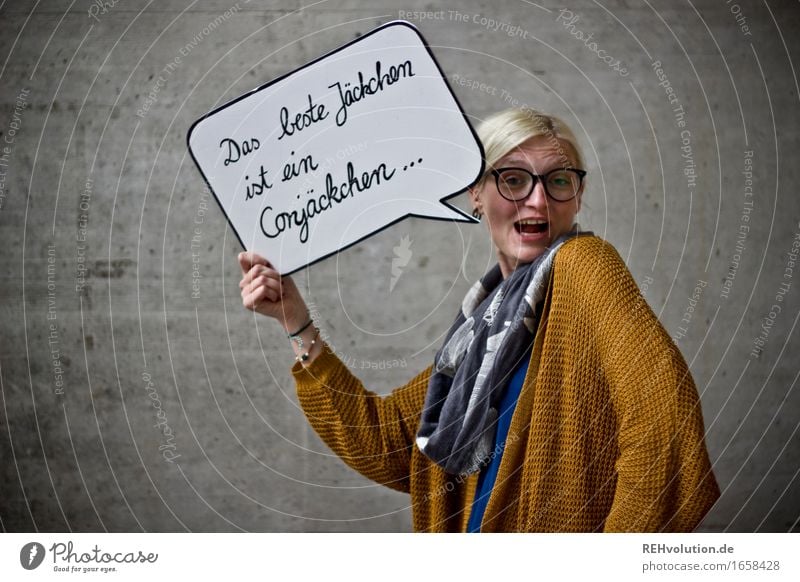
(516, 184)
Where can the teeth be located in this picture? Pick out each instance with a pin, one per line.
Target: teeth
(533, 221)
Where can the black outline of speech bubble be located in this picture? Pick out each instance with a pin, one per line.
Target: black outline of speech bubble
(326, 55)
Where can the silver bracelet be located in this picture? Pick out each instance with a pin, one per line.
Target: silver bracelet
(295, 337)
(304, 357)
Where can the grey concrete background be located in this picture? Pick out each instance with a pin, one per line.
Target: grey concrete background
(85, 451)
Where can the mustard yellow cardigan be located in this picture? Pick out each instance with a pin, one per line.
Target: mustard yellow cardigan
(607, 434)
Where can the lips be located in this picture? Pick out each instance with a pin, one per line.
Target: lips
(531, 226)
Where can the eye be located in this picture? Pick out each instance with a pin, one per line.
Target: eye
(514, 179)
(561, 179)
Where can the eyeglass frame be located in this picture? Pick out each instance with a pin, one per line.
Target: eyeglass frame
(537, 178)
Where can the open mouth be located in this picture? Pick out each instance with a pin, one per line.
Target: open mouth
(533, 226)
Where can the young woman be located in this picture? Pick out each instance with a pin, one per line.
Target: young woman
(557, 402)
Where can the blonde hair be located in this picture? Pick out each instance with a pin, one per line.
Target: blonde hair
(505, 130)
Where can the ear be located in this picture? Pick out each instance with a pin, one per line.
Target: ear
(474, 196)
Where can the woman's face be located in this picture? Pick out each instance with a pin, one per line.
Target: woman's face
(514, 243)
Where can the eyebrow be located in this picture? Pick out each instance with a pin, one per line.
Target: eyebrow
(525, 163)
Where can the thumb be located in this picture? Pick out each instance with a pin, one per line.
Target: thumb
(248, 258)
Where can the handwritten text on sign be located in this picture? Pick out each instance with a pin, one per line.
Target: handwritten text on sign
(339, 149)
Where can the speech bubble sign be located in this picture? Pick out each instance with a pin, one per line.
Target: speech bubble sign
(339, 149)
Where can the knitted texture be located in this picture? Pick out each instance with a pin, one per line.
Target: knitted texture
(607, 434)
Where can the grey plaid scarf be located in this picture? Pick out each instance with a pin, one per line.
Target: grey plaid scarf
(485, 344)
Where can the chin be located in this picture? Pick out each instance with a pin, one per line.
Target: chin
(520, 259)
(530, 253)
(529, 257)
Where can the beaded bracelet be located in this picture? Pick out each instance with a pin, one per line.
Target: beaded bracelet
(304, 357)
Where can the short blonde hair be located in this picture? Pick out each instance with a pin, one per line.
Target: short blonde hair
(505, 130)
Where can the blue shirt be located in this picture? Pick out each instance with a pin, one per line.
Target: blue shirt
(488, 474)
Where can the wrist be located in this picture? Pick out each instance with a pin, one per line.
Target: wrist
(292, 335)
(295, 321)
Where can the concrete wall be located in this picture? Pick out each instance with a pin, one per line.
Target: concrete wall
(89, 183)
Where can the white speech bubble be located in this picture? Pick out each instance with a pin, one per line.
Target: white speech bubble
(339, 149)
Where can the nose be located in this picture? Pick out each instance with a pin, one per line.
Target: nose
(538, 198)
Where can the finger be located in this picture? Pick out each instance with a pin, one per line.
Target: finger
(256, 271)
(252, 300)
(248, 289)
(275, 281)
(274, 287)
(262, 281)
(270, 271)
(271, 296)
(249, 258)
(258, 296)
(248, 277)
(252, 286)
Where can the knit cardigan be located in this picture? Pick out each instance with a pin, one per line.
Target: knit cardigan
(607, 434)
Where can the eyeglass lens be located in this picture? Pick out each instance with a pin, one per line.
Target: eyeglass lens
(517, 184)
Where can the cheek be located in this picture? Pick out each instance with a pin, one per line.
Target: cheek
(503, 224)
(502, 210)
(499, 222)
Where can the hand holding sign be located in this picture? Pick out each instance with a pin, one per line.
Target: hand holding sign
(339, 149)
(266, 292)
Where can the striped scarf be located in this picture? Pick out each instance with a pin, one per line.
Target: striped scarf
(485, 344)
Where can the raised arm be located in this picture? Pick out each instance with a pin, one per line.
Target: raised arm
(374, 435)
